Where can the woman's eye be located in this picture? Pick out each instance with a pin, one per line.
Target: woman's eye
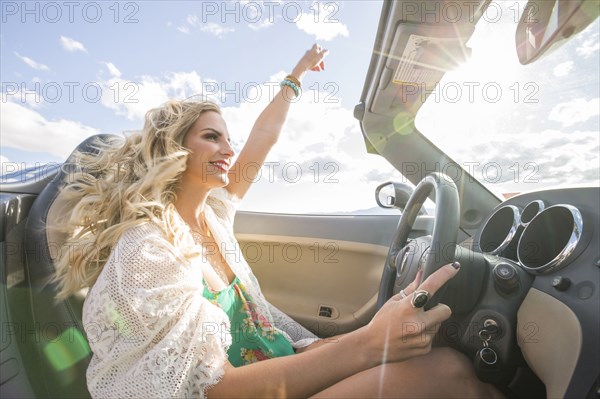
(212, 137)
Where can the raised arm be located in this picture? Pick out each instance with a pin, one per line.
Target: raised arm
(266, 129)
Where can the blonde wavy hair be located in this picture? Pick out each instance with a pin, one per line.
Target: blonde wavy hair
(123, 185)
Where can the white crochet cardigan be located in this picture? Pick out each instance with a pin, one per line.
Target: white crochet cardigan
(151, 331)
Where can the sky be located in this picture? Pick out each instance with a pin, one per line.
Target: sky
(73, 69)
(520, 128)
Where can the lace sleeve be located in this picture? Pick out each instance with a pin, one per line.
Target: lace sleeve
(151, 331)
(298, 336)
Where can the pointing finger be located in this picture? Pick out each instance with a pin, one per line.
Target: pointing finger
(439, 278)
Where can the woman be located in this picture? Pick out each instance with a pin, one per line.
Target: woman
(174, 310)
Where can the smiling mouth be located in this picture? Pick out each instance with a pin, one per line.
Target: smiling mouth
(221, 165)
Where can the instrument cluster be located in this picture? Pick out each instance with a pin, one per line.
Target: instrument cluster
(538, 237)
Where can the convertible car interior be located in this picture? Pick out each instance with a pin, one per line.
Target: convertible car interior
(526, 305)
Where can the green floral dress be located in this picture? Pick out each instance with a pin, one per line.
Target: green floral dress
(252, 337)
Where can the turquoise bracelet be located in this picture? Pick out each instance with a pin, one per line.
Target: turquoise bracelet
(289, 83)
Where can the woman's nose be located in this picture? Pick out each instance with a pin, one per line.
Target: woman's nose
(227, 149)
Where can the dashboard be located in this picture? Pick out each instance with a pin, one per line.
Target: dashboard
(553, 236)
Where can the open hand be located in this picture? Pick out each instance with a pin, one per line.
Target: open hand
(313, 59)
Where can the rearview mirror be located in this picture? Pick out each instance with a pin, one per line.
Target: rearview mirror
(545, 24)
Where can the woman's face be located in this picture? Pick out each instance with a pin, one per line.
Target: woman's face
(211, 152)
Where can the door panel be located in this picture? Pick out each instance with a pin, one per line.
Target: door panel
(307, 262)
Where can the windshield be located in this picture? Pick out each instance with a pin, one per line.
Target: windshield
(519, 128)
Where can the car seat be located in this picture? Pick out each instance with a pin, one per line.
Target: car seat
(57, 330)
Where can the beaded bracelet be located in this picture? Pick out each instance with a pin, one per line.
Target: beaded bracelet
(289, 83)
(294, 80)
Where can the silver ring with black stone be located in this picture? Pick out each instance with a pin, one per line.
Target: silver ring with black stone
(419, 298)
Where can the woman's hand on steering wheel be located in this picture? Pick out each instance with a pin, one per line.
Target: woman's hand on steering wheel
(400, 330)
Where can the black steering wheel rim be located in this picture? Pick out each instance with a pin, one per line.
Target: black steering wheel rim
(445, 230)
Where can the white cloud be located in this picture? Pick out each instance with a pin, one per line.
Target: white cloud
(114, 71)
(588, 48)
(133, 100)
(184, 84)
(259, 15)
(560, 159)
(32, 98)
(192, 20)
(322, 24)
(575, 111)
(183, 29)
(28, 130)
(542, 159)
(563, 69)
(260, 25)
(72, 45)
(589, 41)
(216, 29)
(33, 64)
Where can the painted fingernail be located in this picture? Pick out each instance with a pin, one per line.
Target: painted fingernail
(456, 265)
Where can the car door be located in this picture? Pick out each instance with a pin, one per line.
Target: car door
(322, 270)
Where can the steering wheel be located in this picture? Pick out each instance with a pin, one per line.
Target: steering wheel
(443, 241)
